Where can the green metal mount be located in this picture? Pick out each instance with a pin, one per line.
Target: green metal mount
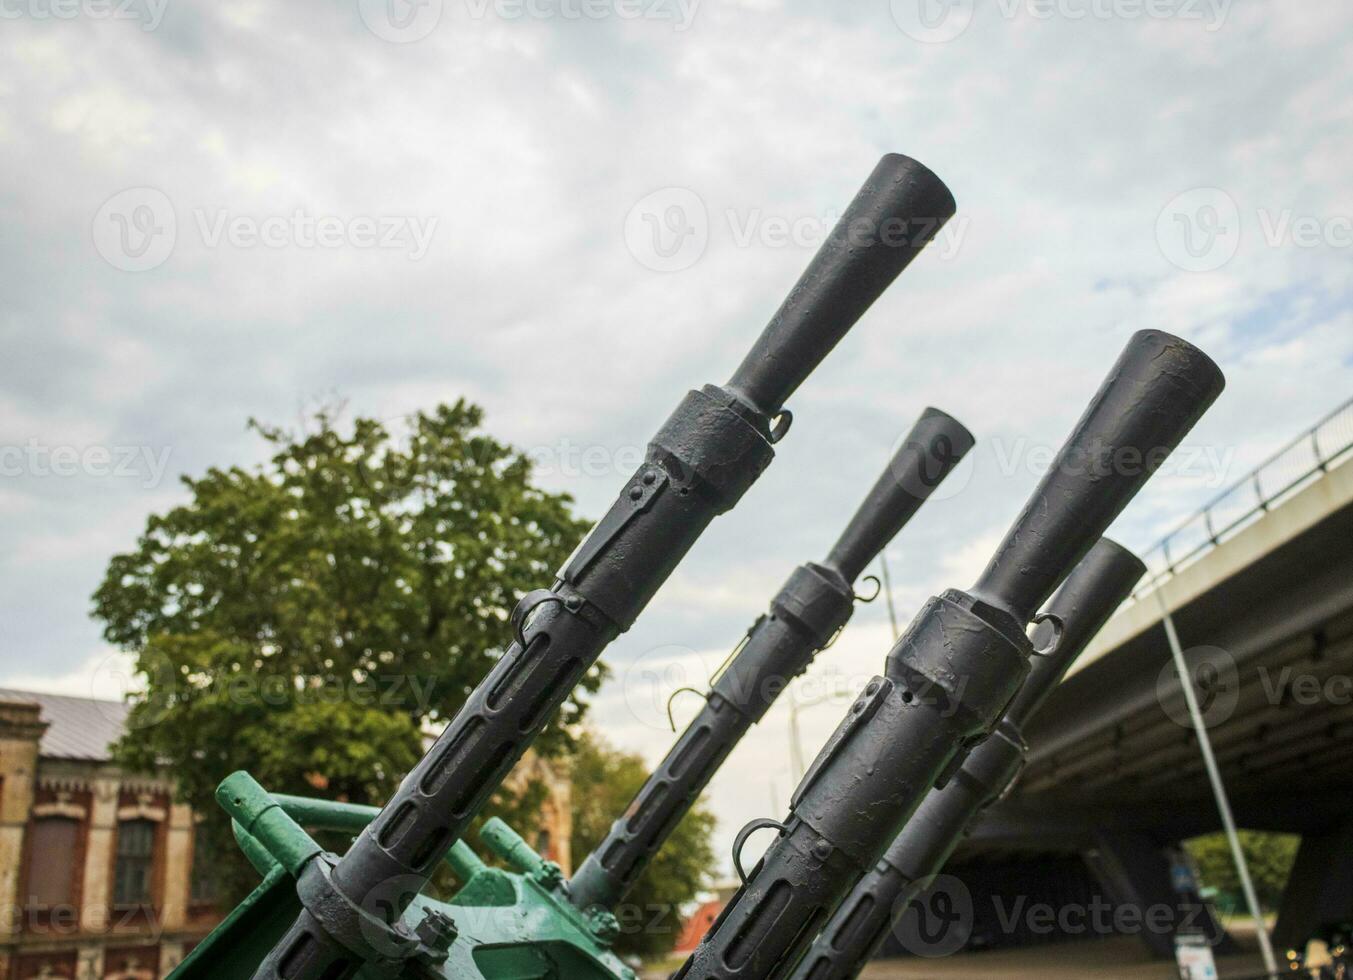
(515, 924)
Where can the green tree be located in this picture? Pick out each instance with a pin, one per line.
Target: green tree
(1269, 856)
(312, 618)
(605, 780)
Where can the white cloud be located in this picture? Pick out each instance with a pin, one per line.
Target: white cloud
(107, 676)
(529, 142)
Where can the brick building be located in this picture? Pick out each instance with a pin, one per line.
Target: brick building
(97, 877)
(554, 832)
(96, 865)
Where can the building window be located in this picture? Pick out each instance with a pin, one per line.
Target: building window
(135, 862)
(51, 863)
(45, 966)
(139, 964)
(202, 885)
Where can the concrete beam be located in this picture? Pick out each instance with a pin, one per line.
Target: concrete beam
(1135, 871)
(1293, 517)
(1320, 889)
(1065, 826)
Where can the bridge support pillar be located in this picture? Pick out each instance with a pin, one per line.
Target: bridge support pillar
(1135, 873)
(1319, 892)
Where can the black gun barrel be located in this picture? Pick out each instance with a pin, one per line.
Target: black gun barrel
(856, 930)
(701, 462)
(897, 212)
(933, 447)
(953, 673)
(1156, 391)
(810, 609)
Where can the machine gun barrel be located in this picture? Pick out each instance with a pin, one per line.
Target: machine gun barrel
(702, 460)
(807, 613)
(935, 445)
(896, 213)
(1154, 395)
(856, 930)
(954, 672)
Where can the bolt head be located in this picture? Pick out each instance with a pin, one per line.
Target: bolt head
(603, 924)
(549, 875)
(437, 931)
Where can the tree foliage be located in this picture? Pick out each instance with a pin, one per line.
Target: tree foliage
(1269, 856)
(605, 780)
(312, 618)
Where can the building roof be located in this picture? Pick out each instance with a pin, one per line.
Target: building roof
(77, 728)
(694, 928)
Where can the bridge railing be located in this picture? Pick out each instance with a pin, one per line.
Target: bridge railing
(1301, 462)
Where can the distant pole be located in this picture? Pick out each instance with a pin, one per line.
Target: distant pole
(1218, 787)
(798, 759)
(888, 591)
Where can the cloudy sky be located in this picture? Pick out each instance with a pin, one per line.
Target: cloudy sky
(571, 211)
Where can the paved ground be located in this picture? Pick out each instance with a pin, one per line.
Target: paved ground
(1106, 959)
(1109, 959)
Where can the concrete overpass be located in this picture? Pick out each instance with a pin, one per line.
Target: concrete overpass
(1260, 586)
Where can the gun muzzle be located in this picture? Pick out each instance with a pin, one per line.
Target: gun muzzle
(935, 445)
(1152, 397)
(896, 213)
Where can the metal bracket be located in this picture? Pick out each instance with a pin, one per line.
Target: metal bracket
(878, 590)
(1058, 631)
(384, 948)
(532, 601)
(682, 690)
(739, 842)
(714, 678)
